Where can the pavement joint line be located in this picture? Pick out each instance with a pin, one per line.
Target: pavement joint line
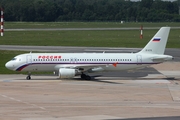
(11, 98)
(174, 92)
(4, 96)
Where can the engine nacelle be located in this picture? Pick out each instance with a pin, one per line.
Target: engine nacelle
(67, 73)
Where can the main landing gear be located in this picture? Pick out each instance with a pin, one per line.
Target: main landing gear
(85, 77)
(29, 76)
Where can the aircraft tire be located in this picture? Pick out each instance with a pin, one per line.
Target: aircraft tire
(28, 77)
(88, 77)
(83, 76)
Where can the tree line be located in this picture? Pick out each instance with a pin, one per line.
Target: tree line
(90, 10)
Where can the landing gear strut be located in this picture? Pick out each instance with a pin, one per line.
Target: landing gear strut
(85, 77)
(29, 76)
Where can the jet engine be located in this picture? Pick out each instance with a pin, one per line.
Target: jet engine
(67, 73)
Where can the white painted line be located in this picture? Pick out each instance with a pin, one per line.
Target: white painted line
(4, 96)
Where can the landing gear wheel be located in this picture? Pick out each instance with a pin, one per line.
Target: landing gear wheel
(83, 76)
(88, 77)
(28, 77)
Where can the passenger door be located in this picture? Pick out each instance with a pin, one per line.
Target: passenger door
(139, 59)
(29, 59)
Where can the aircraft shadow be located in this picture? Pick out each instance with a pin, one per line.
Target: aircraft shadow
(129, 74)
(93, 79)
(112, 75)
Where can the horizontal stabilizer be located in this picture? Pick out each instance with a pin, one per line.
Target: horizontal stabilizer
(162, 58)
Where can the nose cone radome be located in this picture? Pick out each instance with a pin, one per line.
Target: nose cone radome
(9, 65)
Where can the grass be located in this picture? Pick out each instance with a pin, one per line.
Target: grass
(122, 38)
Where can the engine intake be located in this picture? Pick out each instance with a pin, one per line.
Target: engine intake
(67, 73)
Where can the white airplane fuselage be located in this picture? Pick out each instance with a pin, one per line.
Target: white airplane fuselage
(104, 61)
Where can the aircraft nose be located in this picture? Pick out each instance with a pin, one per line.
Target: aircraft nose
(9, 66)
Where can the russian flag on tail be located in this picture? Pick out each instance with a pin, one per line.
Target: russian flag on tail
(156, 39)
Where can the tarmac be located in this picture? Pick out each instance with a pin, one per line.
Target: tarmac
(152, 93)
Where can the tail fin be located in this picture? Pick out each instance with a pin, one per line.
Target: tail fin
(158, 43)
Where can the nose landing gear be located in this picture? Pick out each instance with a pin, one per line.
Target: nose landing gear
(29, 76)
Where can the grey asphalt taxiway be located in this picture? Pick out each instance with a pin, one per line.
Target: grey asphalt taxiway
(152, 93)
(141, 96)
(71, 29)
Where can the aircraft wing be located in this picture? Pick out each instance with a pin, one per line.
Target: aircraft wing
(81, 67)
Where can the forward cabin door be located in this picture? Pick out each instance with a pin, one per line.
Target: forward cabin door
(30, 66)
(29, 59)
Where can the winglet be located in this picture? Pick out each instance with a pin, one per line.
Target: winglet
(158, 43)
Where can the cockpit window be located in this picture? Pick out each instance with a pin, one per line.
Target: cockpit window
(14, 59)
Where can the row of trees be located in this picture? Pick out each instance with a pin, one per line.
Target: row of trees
(90, 10)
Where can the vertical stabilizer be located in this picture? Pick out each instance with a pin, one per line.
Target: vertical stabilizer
(158, 43)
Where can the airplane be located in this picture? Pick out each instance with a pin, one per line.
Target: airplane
(69, 65)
